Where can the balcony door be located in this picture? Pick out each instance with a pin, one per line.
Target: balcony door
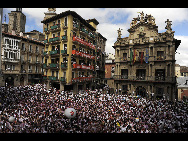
(140, 74)
(160, 74)
(124, 73)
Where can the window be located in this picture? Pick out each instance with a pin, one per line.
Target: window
(160, 55)
(160, 74)
(52, 73)
(65, 46)
(30, 48)
(64, 74)
(124, 56)
(65, 32)
(37, 49)
(73, 75)
(124, 73)
(140, 74)
(117, 52)
(58, 21)
(65, 22)
(23, 46)
(53, 35)
(57, 74)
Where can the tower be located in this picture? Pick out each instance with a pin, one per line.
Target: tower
(17, 21)
(50, 13)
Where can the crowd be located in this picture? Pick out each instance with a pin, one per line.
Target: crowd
(38, 110)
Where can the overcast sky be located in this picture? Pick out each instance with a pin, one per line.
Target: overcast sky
(111, 19)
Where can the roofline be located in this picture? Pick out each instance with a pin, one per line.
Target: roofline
(101, 36)
(93, 20)
(22, 38)
(66, 13)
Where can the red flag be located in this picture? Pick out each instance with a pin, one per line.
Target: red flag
(141, 57)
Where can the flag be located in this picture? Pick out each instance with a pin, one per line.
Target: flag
(147, 56)
(134, 58)
(141, 58)
(131, 56)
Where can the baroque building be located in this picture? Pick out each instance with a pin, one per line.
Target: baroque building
(73, 51)
(145, 61)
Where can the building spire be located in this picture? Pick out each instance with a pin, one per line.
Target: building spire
(19, 9)
(51, 10)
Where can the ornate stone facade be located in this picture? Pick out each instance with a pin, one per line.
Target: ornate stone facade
(145, 61)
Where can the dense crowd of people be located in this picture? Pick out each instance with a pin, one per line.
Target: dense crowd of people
(38, 110)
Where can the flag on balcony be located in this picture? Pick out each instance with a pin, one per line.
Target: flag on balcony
(131, 55)
(141, 57)
(147, 56)
(134, 57)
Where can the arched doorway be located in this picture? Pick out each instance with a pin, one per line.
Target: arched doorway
(22, 81)
(9, 81)
(141, 91)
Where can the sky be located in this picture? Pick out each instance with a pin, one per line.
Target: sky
(111, 19)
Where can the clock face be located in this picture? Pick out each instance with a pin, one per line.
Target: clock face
(141, 29)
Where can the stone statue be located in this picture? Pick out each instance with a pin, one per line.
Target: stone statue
(134, 22)
(168, 26)
(52, 10)
(151, 19)
(141, 16)
(119, 33)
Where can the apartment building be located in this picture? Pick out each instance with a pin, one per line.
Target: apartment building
(21, 60)
(72, 51)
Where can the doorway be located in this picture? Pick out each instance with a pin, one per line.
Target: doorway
(22, 81)
(141, 91)
(9, 81)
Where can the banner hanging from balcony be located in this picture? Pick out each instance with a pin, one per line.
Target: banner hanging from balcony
(81, 41)
(141, 58)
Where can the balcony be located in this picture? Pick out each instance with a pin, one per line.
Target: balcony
(52, 78)
(82, 42)
(44, 77)
(54, 66)
(45, 41)
(77, 66)
(63, 52)
(83, 30)
(63, 80)
(45, 54)
(44, 66)
(55, 27)
(81, 54)
(75, 26)
(55, 39)
(64, 38)
(54, 52)
(82, 79)
(64, 66)
(147, 78)
(91, 35)
(160, 58)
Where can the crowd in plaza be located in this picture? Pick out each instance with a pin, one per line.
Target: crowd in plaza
(38, 110)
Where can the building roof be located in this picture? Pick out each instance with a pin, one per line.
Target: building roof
(182, 82)
(66, 13)
(22, 38)
(93, 20)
